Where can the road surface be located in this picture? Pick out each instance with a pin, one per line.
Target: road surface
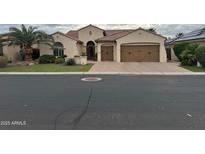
(116, 102)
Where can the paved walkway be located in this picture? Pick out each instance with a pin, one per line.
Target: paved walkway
(137, 67)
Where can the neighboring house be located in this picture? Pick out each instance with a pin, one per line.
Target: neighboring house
(126, 45)
(197, 36)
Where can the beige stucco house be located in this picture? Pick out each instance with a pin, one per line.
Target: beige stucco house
(126, 45)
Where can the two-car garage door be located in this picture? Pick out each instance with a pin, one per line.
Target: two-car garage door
(132, 53)
(140, 53)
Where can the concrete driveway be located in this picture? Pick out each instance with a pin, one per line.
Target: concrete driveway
(137, 67)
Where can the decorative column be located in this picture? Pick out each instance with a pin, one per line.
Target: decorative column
(99, 52)
(118, 52)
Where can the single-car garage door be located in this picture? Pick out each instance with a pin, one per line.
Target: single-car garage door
(107, 53)
(140, 53)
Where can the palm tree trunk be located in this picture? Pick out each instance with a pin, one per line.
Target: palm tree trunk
(28, 54)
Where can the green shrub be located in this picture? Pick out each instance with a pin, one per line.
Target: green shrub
(59, 60)
(192, 47)
(200, 55)
(70, 61)
(3, 61)
(179, 48)
(45, 59)
(188, 57)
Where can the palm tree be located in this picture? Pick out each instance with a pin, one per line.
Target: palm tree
(26, 37)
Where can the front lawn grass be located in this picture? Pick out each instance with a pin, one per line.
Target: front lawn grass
(47, 68)
(194, 68)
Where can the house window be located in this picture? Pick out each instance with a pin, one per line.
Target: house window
(1, 50)
(58, 49)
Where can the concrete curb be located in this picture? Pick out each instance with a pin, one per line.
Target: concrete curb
(102, 73)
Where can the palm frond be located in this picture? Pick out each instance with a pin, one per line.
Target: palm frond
(28, 36)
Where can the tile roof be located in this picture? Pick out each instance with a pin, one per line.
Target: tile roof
(123, 33)
(113, 35)
(67, 36)
(111, 32)
(110, 35)
(73, 34)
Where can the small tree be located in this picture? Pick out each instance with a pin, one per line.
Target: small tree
(188, 57)
(200, 55)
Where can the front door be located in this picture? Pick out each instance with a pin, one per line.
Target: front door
(90, 50)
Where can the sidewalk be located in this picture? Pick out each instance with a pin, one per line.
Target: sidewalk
(102, 73)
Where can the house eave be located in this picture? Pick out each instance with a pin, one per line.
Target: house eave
(105, 41)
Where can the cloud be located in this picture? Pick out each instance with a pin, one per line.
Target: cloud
(168, 30)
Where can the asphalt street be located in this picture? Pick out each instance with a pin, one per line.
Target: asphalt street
(117, 102)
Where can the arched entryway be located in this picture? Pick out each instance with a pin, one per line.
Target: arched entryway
(90, 50)
(58, 49)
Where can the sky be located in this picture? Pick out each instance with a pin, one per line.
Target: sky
(167, 30)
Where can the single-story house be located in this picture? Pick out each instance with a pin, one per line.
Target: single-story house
(197, 36)
(125, 45)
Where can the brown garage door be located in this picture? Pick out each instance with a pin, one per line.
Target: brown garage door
(140, 53)
(107, 53)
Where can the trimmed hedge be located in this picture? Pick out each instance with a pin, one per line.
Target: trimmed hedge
(46, 59)
(60, 60)
(200, 55)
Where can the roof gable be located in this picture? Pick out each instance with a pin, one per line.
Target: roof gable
(90, 26)
(142, 30)
(123, 33)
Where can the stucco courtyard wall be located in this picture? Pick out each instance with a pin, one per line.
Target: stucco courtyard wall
(11, 52)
